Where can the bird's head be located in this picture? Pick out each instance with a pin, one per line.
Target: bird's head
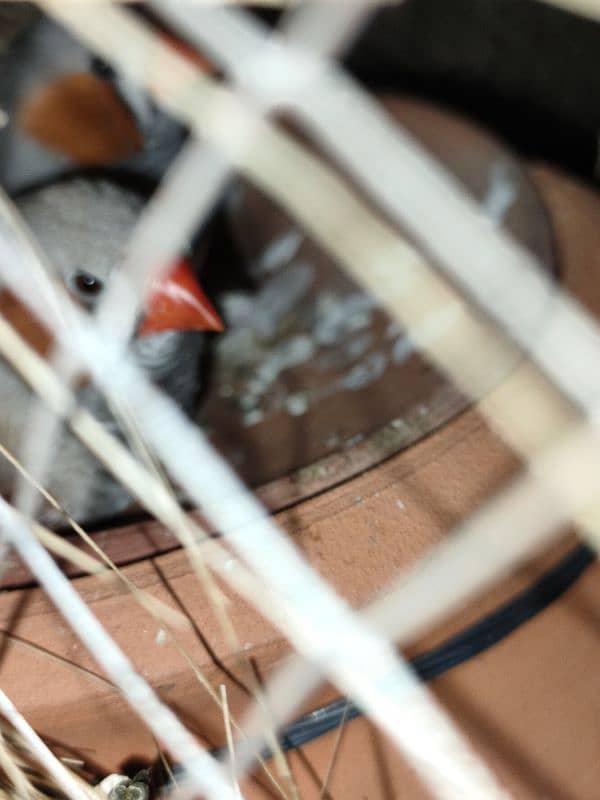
(83, 225)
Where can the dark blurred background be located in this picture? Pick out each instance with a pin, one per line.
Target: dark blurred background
(527, 70)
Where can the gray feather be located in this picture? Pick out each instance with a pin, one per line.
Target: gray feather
(84, 224)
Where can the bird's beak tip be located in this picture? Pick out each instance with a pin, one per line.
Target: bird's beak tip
(176, 302)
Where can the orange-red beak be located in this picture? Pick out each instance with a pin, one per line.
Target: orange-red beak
(177, 303)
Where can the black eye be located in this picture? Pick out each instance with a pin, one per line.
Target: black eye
(102, 69)
(87, 284)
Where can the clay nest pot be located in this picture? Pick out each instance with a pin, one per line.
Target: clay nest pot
(367, 457)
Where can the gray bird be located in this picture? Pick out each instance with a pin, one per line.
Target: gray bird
(36, 54)
(83, 225)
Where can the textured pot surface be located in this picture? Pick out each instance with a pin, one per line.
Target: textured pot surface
(529, 705)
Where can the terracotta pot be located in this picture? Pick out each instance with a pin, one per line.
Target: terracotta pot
(529, 704)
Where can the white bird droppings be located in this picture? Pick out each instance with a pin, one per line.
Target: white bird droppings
(280, 251)
(297, 404)
(500, 195)
(161, 636)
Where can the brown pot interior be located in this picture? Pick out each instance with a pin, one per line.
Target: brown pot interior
(360, 512)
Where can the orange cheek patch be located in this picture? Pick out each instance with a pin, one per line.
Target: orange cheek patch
(82, 117)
